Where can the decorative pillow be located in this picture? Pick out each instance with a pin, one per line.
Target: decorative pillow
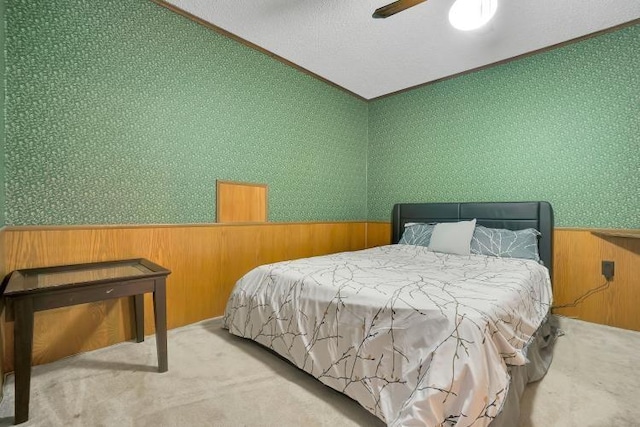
(452, 237)
(416, 234)
(506, 243)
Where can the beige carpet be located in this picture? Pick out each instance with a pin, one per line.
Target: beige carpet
(216, 379)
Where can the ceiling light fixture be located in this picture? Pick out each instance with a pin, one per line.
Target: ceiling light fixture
(469, 15)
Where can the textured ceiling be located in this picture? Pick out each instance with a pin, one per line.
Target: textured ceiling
(339, 41)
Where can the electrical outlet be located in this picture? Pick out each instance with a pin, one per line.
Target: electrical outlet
(607, 269)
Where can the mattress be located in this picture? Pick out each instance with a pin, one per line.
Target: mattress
(416, 337)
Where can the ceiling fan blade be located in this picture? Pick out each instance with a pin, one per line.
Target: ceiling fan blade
(395, 7)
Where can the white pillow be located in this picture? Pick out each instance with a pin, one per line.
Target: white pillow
(453, 237)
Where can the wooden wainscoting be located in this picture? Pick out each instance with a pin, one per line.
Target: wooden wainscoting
(578, 256)
(3, 273)
(205, 260)
(378, 233)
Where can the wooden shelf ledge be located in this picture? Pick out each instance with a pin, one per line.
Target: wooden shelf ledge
(627, 234)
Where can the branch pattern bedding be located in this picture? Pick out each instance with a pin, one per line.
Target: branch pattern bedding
(416, 337)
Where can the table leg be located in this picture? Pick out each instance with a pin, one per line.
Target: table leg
(22, 345)
(138, 310)
(160, 313)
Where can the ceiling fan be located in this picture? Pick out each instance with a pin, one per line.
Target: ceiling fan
(395, 7)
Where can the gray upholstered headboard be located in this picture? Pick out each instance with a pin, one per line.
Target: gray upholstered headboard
(509, 215)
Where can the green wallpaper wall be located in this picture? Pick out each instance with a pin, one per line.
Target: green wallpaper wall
(124, 112)
(2, 113)
(562, 126)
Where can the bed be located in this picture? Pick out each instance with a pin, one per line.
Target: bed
(416, 337)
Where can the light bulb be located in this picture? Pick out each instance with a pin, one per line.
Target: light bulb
(469, 15)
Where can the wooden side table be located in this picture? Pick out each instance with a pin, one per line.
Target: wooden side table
(31, 290)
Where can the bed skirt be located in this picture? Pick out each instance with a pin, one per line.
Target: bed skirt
(539, 354)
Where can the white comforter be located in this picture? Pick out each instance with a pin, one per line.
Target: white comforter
(416, 337)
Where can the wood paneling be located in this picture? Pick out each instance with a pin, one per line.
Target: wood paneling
(378, 234)
(241, 202)
(3, 272)
(578, 256)
(205, 260)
